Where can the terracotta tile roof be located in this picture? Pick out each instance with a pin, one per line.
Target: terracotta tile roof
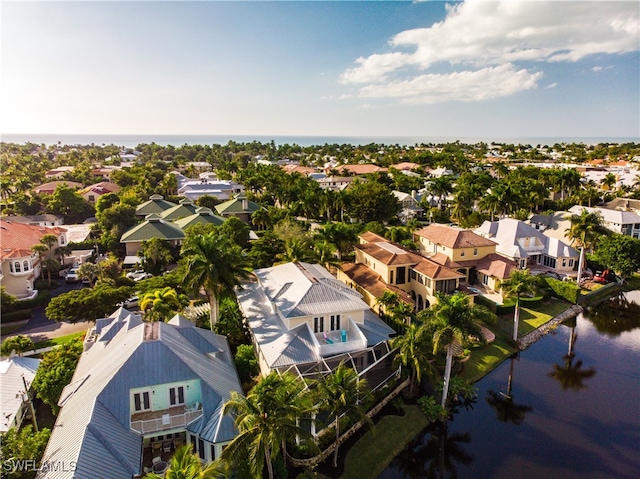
(370, 281)
(17, 238)
(304, 170)
(492, 265)
(102, 188)
(453, 237)
(370, 237)
(406, 165)
(444, 260)
(361, 169)
(51, 186)
(392, 254)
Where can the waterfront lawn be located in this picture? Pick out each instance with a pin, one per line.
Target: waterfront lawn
(375, 450)
(484, 359)
(531, 319)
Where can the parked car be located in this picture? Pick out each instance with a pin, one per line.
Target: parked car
(72, 276)
(130, 303)
(138, 275)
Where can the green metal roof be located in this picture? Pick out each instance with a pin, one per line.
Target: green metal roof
(185, 208)
(235, 206)
(156, 204)
(203, 215)
(152, 227)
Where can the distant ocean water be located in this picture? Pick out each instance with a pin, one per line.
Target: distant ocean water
(130, 141)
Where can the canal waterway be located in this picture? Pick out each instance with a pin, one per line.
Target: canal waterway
(567, 407)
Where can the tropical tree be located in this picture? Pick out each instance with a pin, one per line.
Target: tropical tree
(89, 271)
(21, 447)
(340, 393)
(19, 344)
(186, 464)
(265, 418)
(40, 249)
(519, 283)
(162, 304)
(584, 230)
(412, 351)
(214, 263)
(452, 319)
(621, 253)
(155, 254)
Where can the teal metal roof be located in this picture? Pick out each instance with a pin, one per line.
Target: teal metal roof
(152, 227)
(237, 205)
(185, 208)
(202, 215)
(156, 204)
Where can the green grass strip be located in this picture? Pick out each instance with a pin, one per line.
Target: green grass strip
(59, 341)
(485, 359)
(376, 448)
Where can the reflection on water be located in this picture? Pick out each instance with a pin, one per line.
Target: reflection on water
(557, 417)
(618, 315)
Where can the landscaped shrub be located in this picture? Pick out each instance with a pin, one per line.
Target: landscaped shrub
(42, 298)
(16, 316)
(486, 302)
(43, 285)
(564, 289)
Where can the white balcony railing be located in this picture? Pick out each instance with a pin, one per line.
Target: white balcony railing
(164, 421)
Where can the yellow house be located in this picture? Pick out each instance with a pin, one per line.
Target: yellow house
(466, 252)
(381, 264)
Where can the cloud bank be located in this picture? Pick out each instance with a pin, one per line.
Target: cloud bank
(480, 43)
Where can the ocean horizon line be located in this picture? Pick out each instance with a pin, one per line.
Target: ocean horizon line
(131, 140)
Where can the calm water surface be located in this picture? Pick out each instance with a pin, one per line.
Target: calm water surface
(568, 417)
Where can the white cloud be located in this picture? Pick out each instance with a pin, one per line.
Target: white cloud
(552, 85)
(480, 35)
(482, 84)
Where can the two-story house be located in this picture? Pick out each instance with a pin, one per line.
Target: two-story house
(381, 264)
(466, 252)
(618, 221)
(529, 248)
(140, 390)
(409, 206)
(305, 321)
(20, 266)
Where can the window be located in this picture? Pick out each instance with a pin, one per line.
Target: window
(462, 254)
(550, 262)
(201, 448)
(25, 265)
(475, 251)
(390, 277)
(62, 240)
(413, 274)
(485, 279)
(176, 396)
(17, 267)
(92, 198)
(570, 263)
(402, 272)
(141, 401)
(10, 267)
(564, 262)
(213, 452)
(335, 322)
(318, 324)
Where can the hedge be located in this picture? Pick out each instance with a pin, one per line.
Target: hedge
(509, 306)
(564, 290)
(40, 300)
(16, 316)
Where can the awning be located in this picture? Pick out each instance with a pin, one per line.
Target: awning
(131, 260)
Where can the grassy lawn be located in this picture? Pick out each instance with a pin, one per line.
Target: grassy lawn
(532, 319)
(376, 449)
(62, 340)
(485, 359)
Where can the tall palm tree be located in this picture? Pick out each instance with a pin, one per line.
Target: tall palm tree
(584, 230)
(40, 249)
(491, 203)
(185, 464)
(388, 300)
(214, 263)
(452, 319)
(413, 349)
(340, 393)
(265, 418)
(325, 253)
(519, 283)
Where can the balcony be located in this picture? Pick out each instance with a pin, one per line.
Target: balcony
(165, 419)
(333, 342)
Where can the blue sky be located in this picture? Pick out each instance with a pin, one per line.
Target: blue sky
(476, 69)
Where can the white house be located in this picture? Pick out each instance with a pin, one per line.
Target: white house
(623, 222)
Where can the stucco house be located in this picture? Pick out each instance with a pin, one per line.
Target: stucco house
(381, 264)
(305, 321)
(529, 248)
(466, 252)
(20, 265)
(92, 192)
(140, 390)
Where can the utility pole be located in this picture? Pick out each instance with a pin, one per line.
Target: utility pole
(26, 397)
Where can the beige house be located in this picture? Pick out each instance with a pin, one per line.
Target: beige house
(20, 265)
(381, 264)
(467, 253)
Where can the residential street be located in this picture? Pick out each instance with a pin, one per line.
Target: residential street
(40, 328)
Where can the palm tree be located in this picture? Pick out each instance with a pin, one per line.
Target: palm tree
(584, 230)
(388, 300)
(340, 393)
(326, 255)
(491, 203)
(452, 319)
(185, 464)
(413, 349)
(40, 249)
(161, 304)
(608, 181)
(265, 418)
(63, 251)
(519, 283)
(214, 263)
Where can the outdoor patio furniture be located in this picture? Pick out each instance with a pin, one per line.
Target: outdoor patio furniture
(344, 336)
(156, 447)
(177, 442)
(166, 446)
(156, 460)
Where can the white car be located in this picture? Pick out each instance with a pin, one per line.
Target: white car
(72, 276)
(138, 275)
